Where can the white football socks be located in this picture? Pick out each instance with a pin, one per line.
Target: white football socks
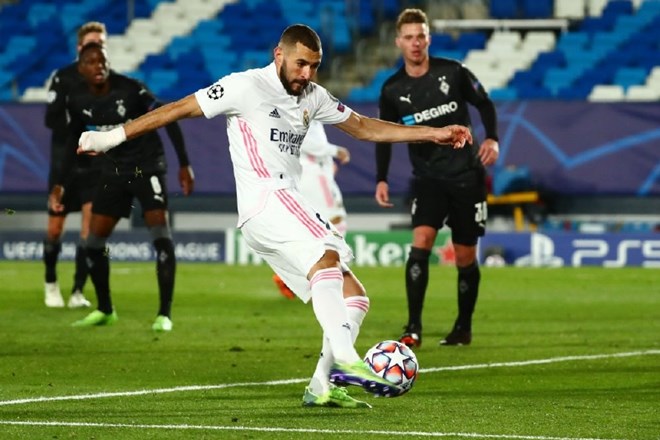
(356, 307)
(330, 310)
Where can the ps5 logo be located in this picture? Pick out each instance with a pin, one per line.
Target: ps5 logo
(609, 251)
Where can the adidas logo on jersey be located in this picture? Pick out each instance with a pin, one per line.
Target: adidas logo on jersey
(274, 113)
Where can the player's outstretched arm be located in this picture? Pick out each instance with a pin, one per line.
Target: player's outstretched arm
(94, 141)
(377, 130)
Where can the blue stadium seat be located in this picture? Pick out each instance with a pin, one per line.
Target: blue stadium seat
(156, 62)
(628, 76)
(550, 59)
(537, 8)
(649, 7)
(252, 59)
(389, 8)
(361, 95)
(5, 78)
(556, 79)
(534, 92)
(505, 9)
(40, 12)
(467, 41)
(598, 24)
(366, 19)
(442, 41)
(572, 40)
(575, 92)
(618, 7)
(161, 79)
(180, 45)
(6, 94)
(504, 94)
(608, 40)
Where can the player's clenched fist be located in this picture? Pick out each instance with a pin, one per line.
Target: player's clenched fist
(100, 141)
(456, 135)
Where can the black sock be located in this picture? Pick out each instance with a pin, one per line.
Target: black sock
(98, 262)
(165, 271)
(51, 253)
(82, 270)
(468, 290)
(417, 279)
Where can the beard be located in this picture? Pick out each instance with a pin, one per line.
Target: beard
(287, 84)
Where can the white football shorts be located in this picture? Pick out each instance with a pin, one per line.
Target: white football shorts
(291, 236)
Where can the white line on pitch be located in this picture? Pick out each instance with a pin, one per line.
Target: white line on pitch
(297, 430)
(292, 381)
(541, 361)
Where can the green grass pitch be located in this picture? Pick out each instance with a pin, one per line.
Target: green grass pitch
(557, 354)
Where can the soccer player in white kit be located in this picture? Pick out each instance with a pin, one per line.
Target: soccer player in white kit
(268, 113)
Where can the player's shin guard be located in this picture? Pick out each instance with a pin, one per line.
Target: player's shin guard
(165, 271)
(468, 290)
(52, 250)
(330, 310)
(417, 279)
(82, 271)
(98, 261)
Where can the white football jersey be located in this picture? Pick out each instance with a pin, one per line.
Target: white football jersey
(266, 127)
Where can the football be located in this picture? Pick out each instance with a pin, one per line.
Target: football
(395, 362)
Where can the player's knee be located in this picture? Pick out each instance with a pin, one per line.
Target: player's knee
(424, 237)
(465, 255)
(96, 242)
(55, 229)
(160, 231)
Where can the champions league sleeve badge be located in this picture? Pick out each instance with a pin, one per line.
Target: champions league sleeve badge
(215, 91)
(340, 107)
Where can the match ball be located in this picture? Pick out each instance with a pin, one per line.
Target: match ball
(394, 362)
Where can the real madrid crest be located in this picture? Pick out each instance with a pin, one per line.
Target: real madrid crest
(306, 118)
(121, 110)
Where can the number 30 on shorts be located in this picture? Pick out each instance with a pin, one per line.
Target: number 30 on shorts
(481, 212)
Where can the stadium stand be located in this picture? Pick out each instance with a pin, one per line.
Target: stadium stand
(179, 45)
(607, 43)
(173, 45)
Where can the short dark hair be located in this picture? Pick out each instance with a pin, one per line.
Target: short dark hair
(89, 46)
(303, 34)
(411, 15)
